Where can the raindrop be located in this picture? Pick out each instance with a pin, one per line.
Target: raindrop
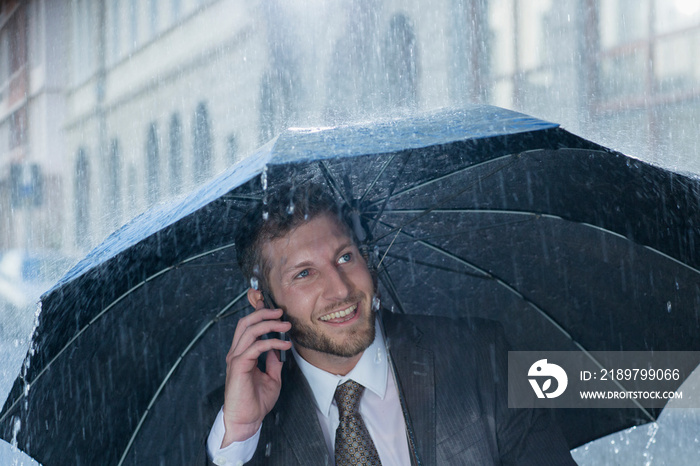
(651, 432)
(15, 431)
(668, 306)
(376, 303)
(268, 448)
(263, 181)
(263, 178)
(254, 283)
(378, 356)
(677, 285)
(290, 208)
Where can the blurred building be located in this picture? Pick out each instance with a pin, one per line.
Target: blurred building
(159, 99)
(620, 72)
(31, 111)
(110, 106)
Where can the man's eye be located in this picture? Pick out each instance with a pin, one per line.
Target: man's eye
(345, 258)
(303, 273)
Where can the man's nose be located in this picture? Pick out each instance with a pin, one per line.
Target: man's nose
(337, 286)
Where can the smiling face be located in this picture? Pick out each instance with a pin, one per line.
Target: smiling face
(318, 276)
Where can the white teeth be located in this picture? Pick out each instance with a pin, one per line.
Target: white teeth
(339, 314)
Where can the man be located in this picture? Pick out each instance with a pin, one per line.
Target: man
(403, 390)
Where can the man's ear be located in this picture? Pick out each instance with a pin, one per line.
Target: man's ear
(254, 297)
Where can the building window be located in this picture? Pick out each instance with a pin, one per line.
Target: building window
(18, 128)
(82, 199)
(36, 33)
(83, 39)
(202, 143)
(4, 56)
(133, 192)
(400, 62)
(531, 49)
(114, 183)
(153, 13)
(152, 166)
(648, 75)
(17, 31)
(116, 27)
(175, 155)
(176, 9)
(276, 101)
(231, 149)
(267, 110)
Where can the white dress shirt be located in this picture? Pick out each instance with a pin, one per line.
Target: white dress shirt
(380, 408)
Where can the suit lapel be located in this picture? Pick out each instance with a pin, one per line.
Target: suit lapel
(415, 373)
(299, 422)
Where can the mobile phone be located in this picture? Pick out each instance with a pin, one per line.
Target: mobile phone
(270, 304)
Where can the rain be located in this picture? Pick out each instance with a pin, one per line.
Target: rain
(115, 109)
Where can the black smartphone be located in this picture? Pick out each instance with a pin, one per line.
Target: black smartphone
(270, 304)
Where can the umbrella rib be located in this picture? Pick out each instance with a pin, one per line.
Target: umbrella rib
(447, 175)
(673, 259)
(466, 230)
(388, 248)
(663, 254)
(172, 371)
(205, 253)
(529, 302)
(106, 309)
(391, 288)
(376, 178)
(397, 178)
(453, 196)
(434, 266)
(533, 214)
(331, 181)
(238, 197)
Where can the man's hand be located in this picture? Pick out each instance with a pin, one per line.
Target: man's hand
(250, 393)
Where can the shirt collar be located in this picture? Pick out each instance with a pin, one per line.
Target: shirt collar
(371, 371)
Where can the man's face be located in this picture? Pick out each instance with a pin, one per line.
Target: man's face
(318, 276)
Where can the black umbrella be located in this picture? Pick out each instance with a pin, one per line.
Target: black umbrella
(480, 212)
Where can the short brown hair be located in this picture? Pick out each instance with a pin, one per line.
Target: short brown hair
(286, 208)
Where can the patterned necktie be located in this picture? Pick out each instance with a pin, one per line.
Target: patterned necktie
(353, 445)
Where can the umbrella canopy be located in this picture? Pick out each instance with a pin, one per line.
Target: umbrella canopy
(479, 211)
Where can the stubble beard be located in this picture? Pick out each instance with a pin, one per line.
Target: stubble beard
(356, 341)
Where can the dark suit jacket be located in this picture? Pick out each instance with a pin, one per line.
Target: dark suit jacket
(453, 377)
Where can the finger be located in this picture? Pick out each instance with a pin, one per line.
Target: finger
(257, 331)
(248, 359)
(251, 319)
